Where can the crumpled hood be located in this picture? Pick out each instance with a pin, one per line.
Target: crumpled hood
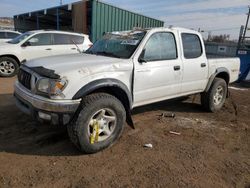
(83, 62)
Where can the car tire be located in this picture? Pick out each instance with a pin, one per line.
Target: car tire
(109, 114)
(8, 67)
(215, 97)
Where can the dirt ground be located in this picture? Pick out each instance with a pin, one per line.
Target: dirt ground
(212, 150)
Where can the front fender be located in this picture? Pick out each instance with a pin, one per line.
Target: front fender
(102, 83)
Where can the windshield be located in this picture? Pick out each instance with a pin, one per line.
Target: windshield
(117, 44)
(19, 38)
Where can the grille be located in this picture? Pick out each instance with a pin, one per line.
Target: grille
(24, 78)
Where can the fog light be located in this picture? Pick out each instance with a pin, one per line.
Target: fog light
(44, 116)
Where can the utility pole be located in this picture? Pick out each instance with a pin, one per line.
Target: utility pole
(245, 30)
(61, 2)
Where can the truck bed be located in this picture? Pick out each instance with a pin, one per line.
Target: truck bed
(232, 64)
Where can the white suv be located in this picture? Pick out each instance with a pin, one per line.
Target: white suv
(6, 35)
(36, 44)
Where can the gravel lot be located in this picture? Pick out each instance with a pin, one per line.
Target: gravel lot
(212, 150)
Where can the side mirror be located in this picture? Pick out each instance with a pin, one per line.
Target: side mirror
(27, 43)
(141, 57)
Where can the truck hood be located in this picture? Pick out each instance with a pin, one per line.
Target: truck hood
(87, 63)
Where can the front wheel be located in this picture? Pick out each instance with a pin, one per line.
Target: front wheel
(214, 98)
(99, 123)
(8, 67)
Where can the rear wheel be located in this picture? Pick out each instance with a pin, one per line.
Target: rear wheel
(99, 123)
(214, 98)
(8, 67)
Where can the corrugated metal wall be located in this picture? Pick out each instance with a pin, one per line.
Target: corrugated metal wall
(91, 17)
(106, 18)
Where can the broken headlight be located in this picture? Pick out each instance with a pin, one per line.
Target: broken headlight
(51, 86)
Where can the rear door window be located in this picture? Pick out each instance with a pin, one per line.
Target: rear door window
(62, 39)
(191, 45)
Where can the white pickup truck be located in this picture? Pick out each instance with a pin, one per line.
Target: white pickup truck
(92, 93)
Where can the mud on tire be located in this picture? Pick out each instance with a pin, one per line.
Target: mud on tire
(79, 129)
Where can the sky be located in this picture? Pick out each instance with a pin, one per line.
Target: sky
(214, 16)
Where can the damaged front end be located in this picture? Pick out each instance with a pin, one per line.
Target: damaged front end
(39, 93)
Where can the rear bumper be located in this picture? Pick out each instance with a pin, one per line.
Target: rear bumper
(44, 109)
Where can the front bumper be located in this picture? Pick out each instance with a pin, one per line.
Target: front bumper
(44, 109)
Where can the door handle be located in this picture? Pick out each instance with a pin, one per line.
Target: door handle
(203, 65)
(73, 48)
(177, 67)
(48, 49)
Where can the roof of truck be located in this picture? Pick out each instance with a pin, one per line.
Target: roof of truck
(135, 30)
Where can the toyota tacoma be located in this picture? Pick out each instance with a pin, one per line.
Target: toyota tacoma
(93, 93)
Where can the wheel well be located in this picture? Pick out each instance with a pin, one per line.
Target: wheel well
(11, 56)
(224, 76)
(121, 95)
(118, 93)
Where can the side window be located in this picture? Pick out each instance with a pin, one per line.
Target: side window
(191, 45)
(11, 35)
(160, 46)
(2, 35)
(76, 39)
(60, 39)
(40, 40)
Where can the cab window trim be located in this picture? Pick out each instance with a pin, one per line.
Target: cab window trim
(202, 50)
(176, 49)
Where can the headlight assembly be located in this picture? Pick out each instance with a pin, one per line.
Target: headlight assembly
(51, 87)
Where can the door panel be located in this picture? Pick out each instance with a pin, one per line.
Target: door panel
(158, 70)
(195, 65)
(67, 44)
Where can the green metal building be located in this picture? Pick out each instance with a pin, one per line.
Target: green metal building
(91, 17)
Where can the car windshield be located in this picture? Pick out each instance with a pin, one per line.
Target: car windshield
(117, 44)
(20, 38)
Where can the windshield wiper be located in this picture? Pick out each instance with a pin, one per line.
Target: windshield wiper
(107, 54)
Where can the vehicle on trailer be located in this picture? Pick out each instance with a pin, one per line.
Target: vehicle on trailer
(93, 93)
(6, 35)
(37, 44)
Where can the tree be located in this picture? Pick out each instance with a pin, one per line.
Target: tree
(219, 38)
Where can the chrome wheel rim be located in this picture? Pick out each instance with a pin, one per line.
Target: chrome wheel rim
(218, 97)
(7, 67)
(106, 120)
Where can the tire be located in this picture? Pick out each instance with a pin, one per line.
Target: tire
(215, 97)
(8, 67)
(92, 110)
